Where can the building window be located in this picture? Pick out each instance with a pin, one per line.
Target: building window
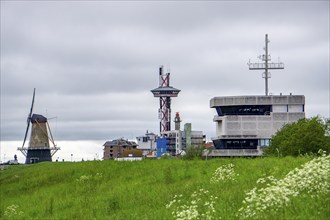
(244, 110)
(236, 144)
(264, 142)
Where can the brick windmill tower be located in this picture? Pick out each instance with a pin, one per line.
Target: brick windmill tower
(39, 149)
(165, 92)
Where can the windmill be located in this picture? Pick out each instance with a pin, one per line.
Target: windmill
(39, 149)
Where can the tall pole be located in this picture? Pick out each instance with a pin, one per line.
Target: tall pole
(266, 64)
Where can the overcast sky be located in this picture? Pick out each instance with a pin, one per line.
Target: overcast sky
(93, 63)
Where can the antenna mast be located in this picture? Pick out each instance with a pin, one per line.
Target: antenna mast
(266, 65)
(165, 92)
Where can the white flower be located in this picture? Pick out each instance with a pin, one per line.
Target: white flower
(223, 173)
(200, 205)
(313, 177)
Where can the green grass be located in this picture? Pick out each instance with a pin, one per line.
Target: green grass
(141, 189)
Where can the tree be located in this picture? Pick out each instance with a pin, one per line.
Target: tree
(301, 137)
(194, 152)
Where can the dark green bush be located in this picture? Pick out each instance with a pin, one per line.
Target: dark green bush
(194, 153)
(305, 136)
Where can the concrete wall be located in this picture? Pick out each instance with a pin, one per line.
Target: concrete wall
(187, 130)
(235, 152)
(150, 144)
(286, 109)
(259, 126)
(257, 100)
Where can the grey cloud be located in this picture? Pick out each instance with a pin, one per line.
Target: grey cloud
(94, 63)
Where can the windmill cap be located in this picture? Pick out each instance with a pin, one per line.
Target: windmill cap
(38, 118)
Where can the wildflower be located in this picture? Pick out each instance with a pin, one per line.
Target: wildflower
(223, 173)
(84, 178)
(13, 212)
(312, 178)
(201, 205)
(261, 180)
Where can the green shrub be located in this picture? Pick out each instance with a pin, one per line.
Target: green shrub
(194, 153)
(306, 136)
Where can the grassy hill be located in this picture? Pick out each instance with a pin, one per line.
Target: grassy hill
(166, 189)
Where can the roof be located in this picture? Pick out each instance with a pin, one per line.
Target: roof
(38, 118)
(165, 91)
(257, 100)
(120, 142)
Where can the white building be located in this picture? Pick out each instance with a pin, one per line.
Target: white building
(147, 143)
(179, 141)
(245, 124)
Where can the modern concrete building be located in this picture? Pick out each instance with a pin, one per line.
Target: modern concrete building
(147, 143)
(179, 141)
(245, 124)
(117, 148)
(174, 142)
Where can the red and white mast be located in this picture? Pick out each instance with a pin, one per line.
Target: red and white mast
(165, 92)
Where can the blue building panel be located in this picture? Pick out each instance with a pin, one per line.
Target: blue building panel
(161, 146)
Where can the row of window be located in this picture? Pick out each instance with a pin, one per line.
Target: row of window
(240, 144)
(244, 110)
(257, 109)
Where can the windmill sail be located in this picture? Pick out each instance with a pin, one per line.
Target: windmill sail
(29, 117)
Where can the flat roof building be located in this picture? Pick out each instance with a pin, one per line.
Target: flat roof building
(147, 143)
(117, 148)
(179, 141)
(245, 124)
